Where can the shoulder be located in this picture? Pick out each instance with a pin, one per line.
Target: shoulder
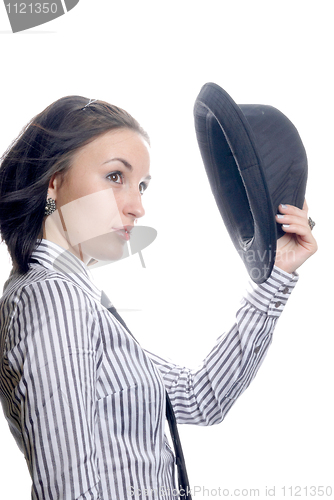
(45, 283)
(44, 306)
(45, 292)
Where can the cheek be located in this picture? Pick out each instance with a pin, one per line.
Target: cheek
(91, 216)
(70, 188)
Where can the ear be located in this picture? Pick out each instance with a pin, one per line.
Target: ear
(54, 184)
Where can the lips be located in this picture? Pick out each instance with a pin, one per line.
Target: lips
(123, 232)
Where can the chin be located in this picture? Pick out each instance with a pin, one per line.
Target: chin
(108, 247)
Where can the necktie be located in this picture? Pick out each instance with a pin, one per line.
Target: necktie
(183, 481)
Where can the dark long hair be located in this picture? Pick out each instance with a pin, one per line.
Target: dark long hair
(46, 146)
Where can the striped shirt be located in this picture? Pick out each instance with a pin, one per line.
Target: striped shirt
(86, 404)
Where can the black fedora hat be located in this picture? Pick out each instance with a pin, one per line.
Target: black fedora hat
(255, 160)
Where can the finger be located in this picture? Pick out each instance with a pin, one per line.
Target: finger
(303, 232)
(292, 219)
(292, 210)
(299, 229)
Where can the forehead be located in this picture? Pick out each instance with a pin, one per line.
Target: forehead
(124, 143)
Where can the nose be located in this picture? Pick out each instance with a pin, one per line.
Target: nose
(133, 206)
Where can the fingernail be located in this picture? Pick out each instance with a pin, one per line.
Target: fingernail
(283, 206)
(286, 225)
(279, 216)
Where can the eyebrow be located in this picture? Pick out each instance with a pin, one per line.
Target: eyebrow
(126, 164)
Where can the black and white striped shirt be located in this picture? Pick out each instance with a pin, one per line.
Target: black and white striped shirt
(86, 404)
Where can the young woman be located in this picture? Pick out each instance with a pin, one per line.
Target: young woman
(85, 404)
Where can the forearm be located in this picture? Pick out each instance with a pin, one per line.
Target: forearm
(204, 395)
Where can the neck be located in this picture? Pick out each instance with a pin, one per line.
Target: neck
(53, 231)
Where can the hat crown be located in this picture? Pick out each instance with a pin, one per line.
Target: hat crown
(283, 155)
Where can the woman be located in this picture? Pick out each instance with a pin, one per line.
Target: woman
(84, 402)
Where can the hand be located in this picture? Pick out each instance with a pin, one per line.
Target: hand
(298, 244)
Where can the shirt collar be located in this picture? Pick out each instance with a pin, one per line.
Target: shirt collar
(54, 257)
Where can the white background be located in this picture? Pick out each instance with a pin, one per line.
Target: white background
(152, 58)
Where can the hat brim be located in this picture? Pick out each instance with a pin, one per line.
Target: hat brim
(237, 178)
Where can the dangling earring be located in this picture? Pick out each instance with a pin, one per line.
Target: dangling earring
(50, 206)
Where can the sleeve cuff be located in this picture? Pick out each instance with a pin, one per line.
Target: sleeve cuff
(271, 296)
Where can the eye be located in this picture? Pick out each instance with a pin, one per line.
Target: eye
(142, 187)
(116, 177)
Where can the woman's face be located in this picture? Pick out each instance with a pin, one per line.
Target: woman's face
(99, 198)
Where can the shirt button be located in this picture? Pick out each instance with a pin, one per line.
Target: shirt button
(278, 303)
(256, 350)
(286, 290)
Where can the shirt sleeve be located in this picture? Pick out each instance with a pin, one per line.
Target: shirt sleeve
(204, 395)
(53, 356)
